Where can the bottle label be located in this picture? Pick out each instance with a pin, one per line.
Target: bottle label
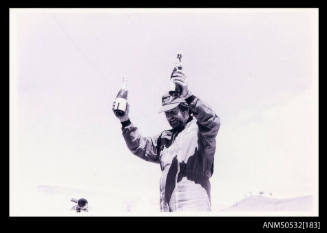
(172, 86)
(120, 104)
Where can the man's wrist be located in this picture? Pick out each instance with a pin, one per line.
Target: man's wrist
(125, 123)
(189, 99)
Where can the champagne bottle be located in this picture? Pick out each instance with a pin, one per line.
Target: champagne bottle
(174, 89)
(121, 100)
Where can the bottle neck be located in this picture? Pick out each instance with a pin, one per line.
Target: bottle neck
(124, 86)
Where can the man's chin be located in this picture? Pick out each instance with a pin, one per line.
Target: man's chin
(177, 127)
(174, 126)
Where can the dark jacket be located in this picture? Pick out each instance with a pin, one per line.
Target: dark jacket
(186, 156)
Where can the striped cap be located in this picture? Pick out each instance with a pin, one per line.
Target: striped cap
(169, 102)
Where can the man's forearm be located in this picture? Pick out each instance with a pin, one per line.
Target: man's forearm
(143, 147)
(209, 124)
(206, 117)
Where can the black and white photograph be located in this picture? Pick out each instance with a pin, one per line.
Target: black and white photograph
(163, 112)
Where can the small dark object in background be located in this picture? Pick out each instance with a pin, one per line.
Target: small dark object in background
(82, 204)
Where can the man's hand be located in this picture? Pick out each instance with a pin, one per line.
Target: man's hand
(179, 78)
(123, 118)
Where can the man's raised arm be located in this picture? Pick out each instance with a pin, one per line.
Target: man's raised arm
(207, 120)
(143, 147)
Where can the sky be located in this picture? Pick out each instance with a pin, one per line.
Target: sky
(257, 69)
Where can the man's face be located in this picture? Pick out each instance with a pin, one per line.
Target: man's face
(176, 117)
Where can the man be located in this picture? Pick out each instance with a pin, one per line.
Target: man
(185, 152)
